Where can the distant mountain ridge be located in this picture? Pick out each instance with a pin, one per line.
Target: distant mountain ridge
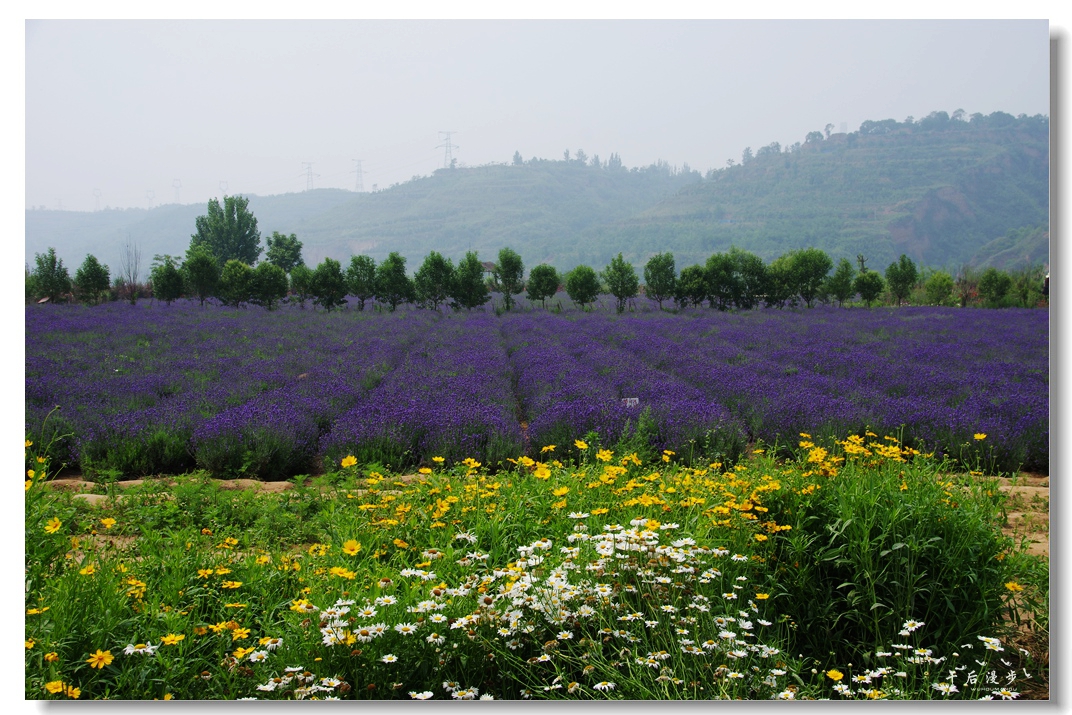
(946, 191)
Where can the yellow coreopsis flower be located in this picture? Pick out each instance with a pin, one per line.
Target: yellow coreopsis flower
(53, 525)
(52, 657)
(560, 491)
(424, 470)
(438, 460)
(548, 448)
(580, 444)
(604, 455)
(172, 638)
(835, 675)
(542, 472)
(980, 436)
(55, 686)
(351, 547)
(349, 461)
(88, 570)
(1014, 587)
(108, 522)
(100, 659)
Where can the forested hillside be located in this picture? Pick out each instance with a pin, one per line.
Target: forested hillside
(944, 190)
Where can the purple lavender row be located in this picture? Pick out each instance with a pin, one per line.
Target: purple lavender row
(451, 397)
(942, 374)
(135, 383)
(570, 383)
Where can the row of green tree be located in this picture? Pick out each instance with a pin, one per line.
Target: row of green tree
(219, 263)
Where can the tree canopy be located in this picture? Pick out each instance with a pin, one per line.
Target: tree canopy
(660, 277)
(621, 280)
(284, 251)
(229, 231)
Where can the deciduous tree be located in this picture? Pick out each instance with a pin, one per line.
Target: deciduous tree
(901, 276)
(692, 286)
(994, 285)
(939, 288)
(433, 281)
(50, 276)
(235, 284)
(269, 285)
(470, 291)
(621, 280)
(393, 286)
(92, 279)
(301, 284)
(869, 285)
(361, 279)
(582, 285)
(543, 283)
(509, 275)
(840, 285)
(328, 285)
(201, 271)
(660, 277)
(284, 251)
(166, 278)
(230, 231)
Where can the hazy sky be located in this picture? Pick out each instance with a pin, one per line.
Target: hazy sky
(127, 109)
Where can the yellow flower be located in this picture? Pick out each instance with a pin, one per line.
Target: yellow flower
(29, 483)
(55, 686)
(762, 596)
(758, 451)
(53, 525)
(204, 573)
(438, 460)
(206, 531)
(239, 633)
(424, 470)
(835, 675)
(542, 472)
(560, 491)
(108, 522)
(30, 473)
(351, 547)
(1014, 587)
(40, 460)
(52, 657)
(761, 537)
(88, 570)
(904, 486)
(73, 692)
(232, 584)
(172, 638)
(29, 443)
(548, 448)
(240, 653)
(222, 570)
(604, 455)
(600, 510)
(980, 436)
(30, 643)
(100, 659)
(580, 444)
(349, 461)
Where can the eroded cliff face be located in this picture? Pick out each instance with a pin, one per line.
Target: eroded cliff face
(938, 214)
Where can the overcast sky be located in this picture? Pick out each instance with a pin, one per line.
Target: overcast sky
(129, 109)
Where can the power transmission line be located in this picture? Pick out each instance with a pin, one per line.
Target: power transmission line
(448, 157)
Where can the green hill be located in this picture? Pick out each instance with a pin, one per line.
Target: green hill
(935, 190)
(946, 191)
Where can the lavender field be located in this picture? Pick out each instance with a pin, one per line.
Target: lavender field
(152, 389)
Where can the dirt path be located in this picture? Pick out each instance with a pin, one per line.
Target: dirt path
(1028, 510)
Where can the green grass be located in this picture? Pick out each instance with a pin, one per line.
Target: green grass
(549, 580)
